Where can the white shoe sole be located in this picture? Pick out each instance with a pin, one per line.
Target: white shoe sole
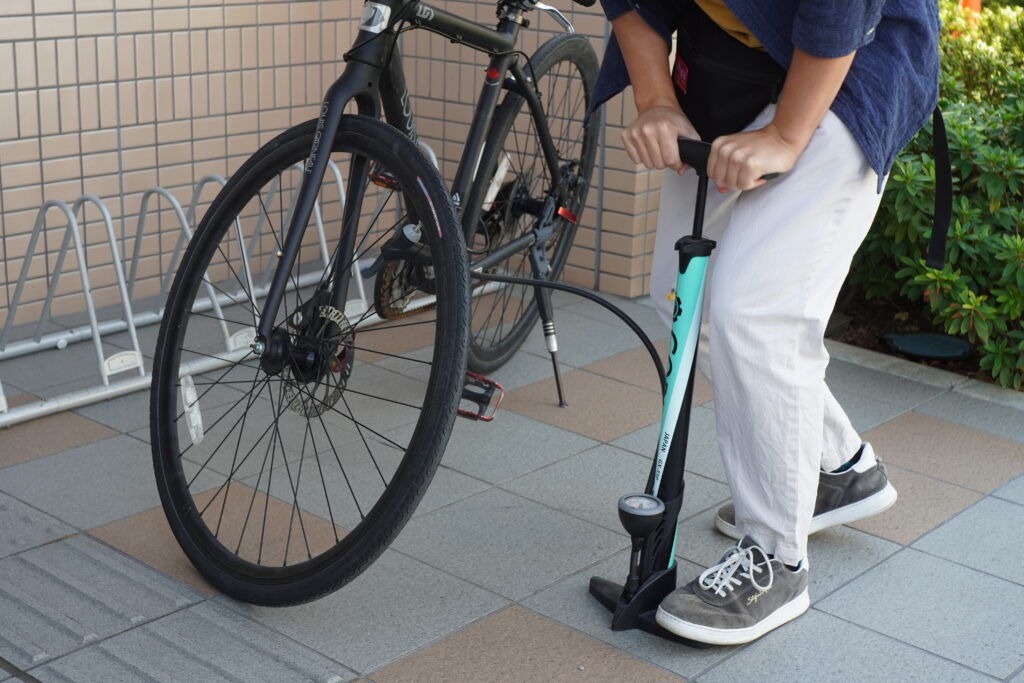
(722, 636)
(872, 505)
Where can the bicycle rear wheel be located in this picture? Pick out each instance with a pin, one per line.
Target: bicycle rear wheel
(514, 180)
(284, 480)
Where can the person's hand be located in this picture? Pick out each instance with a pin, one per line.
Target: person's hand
(738, 161)
(651, 139)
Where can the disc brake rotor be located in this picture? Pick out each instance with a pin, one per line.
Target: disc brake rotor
(332, 340)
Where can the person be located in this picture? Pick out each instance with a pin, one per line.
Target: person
(824, 93)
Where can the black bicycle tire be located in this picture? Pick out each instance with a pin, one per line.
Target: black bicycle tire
(576, 49)
(363, 544)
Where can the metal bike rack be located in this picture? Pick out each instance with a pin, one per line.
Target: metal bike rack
(236, 344)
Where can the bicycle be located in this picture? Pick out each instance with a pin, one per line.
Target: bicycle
(286, 473)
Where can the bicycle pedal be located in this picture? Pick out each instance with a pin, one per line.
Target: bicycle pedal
(383, 178)
(481, 391)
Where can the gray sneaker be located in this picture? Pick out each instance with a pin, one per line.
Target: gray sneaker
(860, 491)
(738, 600)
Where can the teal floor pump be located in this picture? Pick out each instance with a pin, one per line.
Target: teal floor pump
(651, 517)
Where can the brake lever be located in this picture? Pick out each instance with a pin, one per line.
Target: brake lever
(557, 15)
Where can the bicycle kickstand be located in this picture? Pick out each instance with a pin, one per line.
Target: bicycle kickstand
(539, 263)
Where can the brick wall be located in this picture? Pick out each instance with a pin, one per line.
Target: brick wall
(112, 97)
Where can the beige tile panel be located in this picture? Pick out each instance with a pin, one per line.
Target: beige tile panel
(147, 537)
(635, 367)
(516, 645)
(948, 451)
(923, 504)
(599, 407)
(47, 435)
(15, 28)
(15, 7)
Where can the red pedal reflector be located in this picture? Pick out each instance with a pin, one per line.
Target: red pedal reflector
(568, 215)
(385, 181)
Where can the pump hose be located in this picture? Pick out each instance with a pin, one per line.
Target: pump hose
(586, 294)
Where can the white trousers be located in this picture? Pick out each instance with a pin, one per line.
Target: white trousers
(783, 252)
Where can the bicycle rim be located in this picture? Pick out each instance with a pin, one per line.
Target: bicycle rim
(283, 483)
(517, 180)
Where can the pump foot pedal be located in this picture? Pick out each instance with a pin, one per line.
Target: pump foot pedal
(640, 610)
(481, 392)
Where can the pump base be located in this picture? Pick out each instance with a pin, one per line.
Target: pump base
(638, 611)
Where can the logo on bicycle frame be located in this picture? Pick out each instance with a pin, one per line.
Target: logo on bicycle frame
(423, 12)
(375, 17)
(316, 138)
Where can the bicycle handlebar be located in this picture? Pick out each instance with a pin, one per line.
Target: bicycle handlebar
(695, 153)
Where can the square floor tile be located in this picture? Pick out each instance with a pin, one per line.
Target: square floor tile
(987, 416)
(867, 412)
(599, 408)
(131, 412)
(509, 446)
(582, 340)
(61, 596)
(840, 554)
(922, 505)
(147, 537)
(636, 367)
(701, 449)
(702, 454)
(505, 543)
(985, 536)
(855, 379)
(89, 485)
(23, 527)
(1012, 491)
(570, 603)
(958, 613)
(395, 607)
(948, 451)
(395, 337)
(645, 316)
(589, 485)
(798, 652)
(46, 435)
(519, 645)
(44, 369)
(206, 642)
(325, 490)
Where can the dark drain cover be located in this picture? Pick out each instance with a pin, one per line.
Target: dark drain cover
(928, 345)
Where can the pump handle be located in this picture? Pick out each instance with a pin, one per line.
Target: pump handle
(695, 153)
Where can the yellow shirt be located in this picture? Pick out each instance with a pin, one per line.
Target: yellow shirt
(723, 16)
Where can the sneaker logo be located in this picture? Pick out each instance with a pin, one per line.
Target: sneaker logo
(757, 596)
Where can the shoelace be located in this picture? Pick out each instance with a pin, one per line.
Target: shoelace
(723, 576)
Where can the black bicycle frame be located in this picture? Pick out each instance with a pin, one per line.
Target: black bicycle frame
(374, 78)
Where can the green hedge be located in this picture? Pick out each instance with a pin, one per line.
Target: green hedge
(979, 292)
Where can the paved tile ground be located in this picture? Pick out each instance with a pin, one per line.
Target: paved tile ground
(488, 581)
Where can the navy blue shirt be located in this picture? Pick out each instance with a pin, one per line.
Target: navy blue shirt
(893, 83)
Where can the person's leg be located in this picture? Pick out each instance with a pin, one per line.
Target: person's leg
(840, 441)
(781, 262)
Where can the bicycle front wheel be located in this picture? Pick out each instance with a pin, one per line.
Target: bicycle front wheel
(284, 476)
(513, 182)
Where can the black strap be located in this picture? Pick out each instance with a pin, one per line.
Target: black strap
(943, 194)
